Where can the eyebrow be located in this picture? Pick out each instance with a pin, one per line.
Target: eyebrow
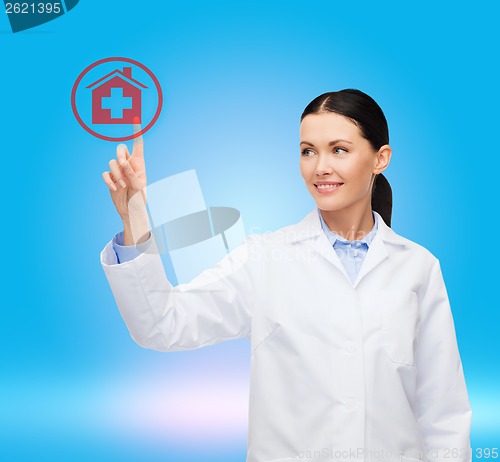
(330, 143)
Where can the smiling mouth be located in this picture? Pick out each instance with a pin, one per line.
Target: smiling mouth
(328, 186)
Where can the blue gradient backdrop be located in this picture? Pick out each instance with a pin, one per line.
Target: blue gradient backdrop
(236, 77)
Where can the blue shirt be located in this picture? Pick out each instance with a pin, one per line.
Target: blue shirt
(128, 252)
(353, 253)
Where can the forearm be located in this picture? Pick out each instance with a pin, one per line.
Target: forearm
(135, 222)
(135, 235)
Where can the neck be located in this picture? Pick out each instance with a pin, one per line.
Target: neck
(350, 223)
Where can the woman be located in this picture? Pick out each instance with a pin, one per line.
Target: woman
(353, 347)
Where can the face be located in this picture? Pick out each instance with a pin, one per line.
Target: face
(337, 163)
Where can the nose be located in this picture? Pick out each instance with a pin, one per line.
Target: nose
(323, 167)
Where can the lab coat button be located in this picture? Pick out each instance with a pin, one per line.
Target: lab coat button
(358, 244)
(351, 404)
(350, 347)
(355, 253)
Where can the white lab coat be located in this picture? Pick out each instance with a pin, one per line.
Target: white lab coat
(339, 371)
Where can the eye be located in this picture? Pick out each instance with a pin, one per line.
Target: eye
(343, 151)
(306, 153)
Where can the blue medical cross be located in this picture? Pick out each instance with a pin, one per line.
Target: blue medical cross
(116, 102)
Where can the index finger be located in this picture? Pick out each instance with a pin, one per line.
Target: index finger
(122, 153)
(138, 149)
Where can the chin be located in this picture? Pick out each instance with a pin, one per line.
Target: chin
(328, 204)
(328, 207)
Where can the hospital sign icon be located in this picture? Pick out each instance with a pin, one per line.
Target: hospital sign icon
(117, 98)
(111, 95)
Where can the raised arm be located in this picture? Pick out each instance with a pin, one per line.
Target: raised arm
(215, 306)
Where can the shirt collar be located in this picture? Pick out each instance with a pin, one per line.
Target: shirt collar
(310, 228)
(333, 237)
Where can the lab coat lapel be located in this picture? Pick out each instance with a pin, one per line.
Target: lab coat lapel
(309, 230)
(326, 250)
(377, 252)
(385, 242)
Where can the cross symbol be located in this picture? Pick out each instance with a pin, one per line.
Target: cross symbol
(116, 102)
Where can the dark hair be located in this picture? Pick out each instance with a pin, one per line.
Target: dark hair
(364, 112)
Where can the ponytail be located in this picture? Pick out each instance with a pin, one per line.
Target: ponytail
(382, 198)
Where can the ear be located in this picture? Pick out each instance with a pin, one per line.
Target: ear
(383, 157)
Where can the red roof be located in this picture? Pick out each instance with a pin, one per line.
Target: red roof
(121, 75)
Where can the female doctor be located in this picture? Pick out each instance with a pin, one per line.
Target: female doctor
(353, 347)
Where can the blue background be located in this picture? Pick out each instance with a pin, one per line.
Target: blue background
(236, 77)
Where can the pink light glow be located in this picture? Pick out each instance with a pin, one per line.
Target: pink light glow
(184, 410)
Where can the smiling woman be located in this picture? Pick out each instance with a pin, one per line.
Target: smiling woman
(345, 148)
(353, 346)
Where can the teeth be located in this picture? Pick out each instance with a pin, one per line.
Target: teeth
(327, 186)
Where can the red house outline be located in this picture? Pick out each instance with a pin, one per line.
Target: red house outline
(130, 88)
